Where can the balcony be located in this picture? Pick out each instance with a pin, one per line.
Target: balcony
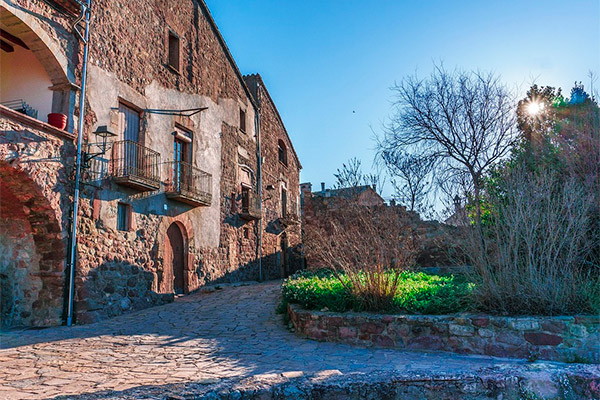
(289, 215)
(135, 166)
(188, 184)
(251, 209)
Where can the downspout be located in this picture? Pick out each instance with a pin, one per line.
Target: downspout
(259, 179)
(85, 17)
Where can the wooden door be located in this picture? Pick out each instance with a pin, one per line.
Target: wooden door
(175, 259)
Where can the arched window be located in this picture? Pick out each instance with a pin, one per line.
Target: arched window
(282, 152)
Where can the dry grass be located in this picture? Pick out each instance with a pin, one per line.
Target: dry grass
(363, 243)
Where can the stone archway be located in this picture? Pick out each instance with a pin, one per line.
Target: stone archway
(32, 253)
(53, 57)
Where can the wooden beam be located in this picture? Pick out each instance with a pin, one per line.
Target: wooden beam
(13, 39)
(6, 47)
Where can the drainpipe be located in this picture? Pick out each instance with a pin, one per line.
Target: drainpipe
(85, 17)
(259, 179)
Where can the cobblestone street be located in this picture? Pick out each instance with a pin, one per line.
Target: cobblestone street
(202, 338)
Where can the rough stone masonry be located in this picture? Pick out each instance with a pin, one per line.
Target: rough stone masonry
(174, 202)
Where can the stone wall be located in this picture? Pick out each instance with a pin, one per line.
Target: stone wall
(124, 270)
(566, 339)
(34, 209)
(439, 245)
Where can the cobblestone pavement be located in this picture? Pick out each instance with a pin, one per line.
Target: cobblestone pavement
(202, 338)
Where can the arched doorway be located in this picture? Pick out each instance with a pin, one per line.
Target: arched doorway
(175, 258)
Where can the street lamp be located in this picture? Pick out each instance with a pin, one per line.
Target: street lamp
(104, 132)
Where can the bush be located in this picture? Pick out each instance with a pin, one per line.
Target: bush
(416, 292)
(359, 244)
(536, 256)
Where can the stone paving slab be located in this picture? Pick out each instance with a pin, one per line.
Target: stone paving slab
(205, 339)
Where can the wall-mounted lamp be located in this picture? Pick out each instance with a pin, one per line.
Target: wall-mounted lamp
(104, 132)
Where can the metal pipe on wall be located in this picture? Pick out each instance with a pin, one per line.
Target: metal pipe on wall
(259, 179)
(85, 17)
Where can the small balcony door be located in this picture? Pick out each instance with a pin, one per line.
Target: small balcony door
(181, 161)
(130, 127)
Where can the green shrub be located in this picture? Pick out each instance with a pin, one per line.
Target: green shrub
(417, 292)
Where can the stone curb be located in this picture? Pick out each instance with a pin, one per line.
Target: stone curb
(562, 338)
(529, 381)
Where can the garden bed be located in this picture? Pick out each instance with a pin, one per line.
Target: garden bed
(431, 312)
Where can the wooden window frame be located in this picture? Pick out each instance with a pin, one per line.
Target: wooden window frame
(128, 216)
(243, 120)
(171, 34)
(282, 152)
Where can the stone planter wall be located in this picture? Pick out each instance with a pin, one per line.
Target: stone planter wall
(567, 339)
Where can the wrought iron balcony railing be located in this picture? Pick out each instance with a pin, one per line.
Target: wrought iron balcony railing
(20, 106)
(289, 214)
(251, 209)
(188, 184)
(134, 165)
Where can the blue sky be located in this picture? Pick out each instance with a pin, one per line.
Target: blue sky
(329, 64)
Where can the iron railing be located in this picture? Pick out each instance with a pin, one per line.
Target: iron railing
(289, 213)
(20, 106)
(134, 165)
(188, 184)
(250, 206)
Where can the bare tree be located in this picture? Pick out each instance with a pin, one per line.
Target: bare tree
(411, 177)
(464, 120)
(352, 176)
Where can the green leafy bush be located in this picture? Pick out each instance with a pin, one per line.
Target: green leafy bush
(417, 293)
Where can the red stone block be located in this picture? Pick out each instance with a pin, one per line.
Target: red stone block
(543, 339)
(347, 332)
(383, 341)
(371, 328)
(480, 322)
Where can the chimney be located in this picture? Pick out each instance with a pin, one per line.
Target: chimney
(457, 205)
(323, 187)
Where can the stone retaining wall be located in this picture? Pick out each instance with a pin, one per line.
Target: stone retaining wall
(566, 339)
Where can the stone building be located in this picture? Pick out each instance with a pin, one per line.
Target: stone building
(189, 176)
(365, 195)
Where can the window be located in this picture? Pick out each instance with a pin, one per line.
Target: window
(130, 132)
(242, 120)
(246, 233)
(282, 152)
(245, 198)
(123, 217)
(173, 51)
(182, 159)
(283, 202)
(129, 123)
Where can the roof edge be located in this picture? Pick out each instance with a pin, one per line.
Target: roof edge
(259, 79)
(228, 54)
